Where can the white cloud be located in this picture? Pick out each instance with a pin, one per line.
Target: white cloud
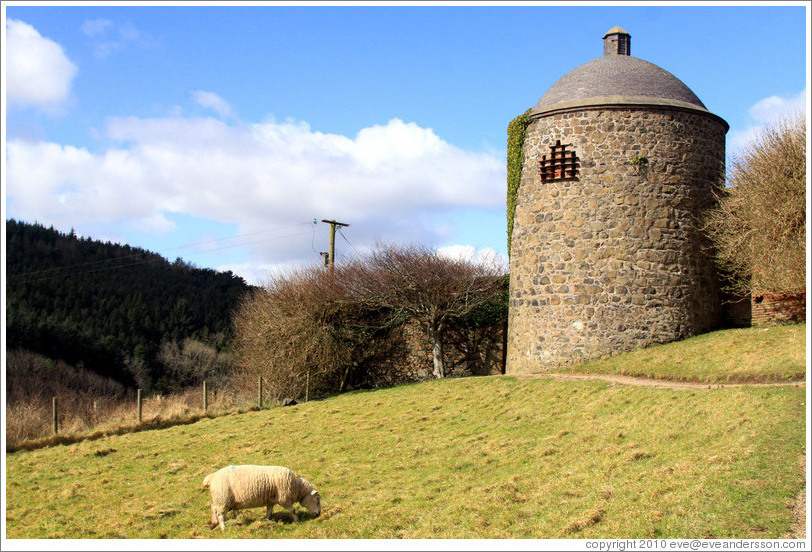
(212, 101)
(260, 274)
(156, 223)
(96, 27)
(486, 255)
(110, 38)
(397, 142)
(37, 72)
(765, 112)
(772, 108)
(392, 182)
(129, 33)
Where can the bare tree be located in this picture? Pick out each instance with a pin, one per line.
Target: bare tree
(759, 228)
(416, 281)
(191, 362)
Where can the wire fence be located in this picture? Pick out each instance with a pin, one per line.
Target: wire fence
(205, 395)
(70, 415)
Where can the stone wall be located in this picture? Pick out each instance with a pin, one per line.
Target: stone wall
(613, 260)
(407, 356)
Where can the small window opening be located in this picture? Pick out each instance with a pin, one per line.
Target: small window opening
(560, 164)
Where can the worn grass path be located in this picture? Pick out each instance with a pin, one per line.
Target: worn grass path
(655, 383)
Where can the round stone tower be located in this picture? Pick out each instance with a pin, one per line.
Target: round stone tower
(621, 160)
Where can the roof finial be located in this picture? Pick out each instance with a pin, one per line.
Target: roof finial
(617, 42)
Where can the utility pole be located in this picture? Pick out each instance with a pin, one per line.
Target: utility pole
(332, 253)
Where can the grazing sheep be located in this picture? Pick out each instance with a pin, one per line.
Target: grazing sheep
(239, 487)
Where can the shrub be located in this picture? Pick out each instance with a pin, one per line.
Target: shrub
(191, 362)
(759, 227)
(302, 332)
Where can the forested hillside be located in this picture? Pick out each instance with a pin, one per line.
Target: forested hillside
(111, 308)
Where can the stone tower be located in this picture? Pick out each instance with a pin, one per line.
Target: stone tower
(621, 160)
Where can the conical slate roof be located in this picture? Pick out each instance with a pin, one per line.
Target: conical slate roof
(617, 78)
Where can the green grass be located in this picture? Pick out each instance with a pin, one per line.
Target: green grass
(747, 355)
(489, 457)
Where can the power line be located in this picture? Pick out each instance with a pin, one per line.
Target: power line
(72, 272)
(313, 237)
(134, 255)
(242, 235)
(348, 242)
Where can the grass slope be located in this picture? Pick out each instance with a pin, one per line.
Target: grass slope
(773, 354)
(489, 457)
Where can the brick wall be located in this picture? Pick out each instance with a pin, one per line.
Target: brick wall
(769, 309)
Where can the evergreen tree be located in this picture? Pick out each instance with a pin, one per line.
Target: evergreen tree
(109, 307)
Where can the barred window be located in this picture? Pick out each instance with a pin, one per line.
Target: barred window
(560, 164)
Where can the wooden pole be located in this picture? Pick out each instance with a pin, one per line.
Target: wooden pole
(332, 253)
(55, 417)
(259, 393)
(205, 398)
(139, 406)
(307, 386)
(332, 258)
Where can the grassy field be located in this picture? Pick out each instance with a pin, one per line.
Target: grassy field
(774, 354)
(491, 457)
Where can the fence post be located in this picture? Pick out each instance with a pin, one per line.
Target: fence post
(205, 398)
(56, 417)
(307, 386)
(139, 406)
(259, 397)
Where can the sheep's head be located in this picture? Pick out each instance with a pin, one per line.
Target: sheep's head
(312, 501)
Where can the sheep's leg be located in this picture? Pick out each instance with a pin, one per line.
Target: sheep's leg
(268, 511)
(213, 522)
(217, 518)
(292, 511)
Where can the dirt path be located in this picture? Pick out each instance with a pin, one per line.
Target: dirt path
(650, 382)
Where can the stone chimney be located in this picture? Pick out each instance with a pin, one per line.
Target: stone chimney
(617, 42)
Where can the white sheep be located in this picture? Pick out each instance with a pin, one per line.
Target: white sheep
(239, 487)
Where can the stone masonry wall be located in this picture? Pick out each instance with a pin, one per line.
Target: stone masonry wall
(614, 260)
(408, 357)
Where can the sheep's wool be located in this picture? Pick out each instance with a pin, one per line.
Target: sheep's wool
(238, 487)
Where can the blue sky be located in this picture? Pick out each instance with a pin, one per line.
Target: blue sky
(219, 133)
